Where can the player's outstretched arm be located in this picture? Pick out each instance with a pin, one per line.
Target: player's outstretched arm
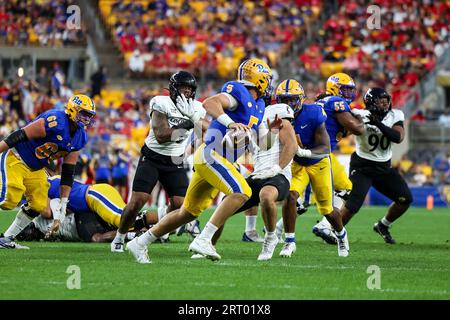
(353, 124)
(216, 105)
(67, 177)
(34, 130)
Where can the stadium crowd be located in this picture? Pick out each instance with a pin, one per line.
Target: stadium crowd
(40, 23)
(213, 36)
(412, 36)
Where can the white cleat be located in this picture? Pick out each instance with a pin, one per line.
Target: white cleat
(288, 249)
(139, 252)
(117, 246)
(204, 247)
(268, 248)
(252, 236)
(343, 245)
(8, 243)
(198, 256)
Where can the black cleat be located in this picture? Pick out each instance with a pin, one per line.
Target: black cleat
(383, 231)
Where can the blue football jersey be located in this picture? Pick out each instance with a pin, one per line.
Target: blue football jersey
(309, 118)
(332, 105)
(77, 198)
(248, 111)
(57, 143)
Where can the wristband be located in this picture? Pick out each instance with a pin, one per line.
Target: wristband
(225, 120)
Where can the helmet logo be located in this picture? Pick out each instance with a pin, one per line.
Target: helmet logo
(262, 69)
(334, 79)
(77, 101)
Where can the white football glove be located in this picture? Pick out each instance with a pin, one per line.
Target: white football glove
(59, 208)
(187, 108)
(363, 113)
(272, 172)
(303, 153)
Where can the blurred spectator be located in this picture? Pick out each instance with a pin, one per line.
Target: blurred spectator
(136, 64)
(43, 80)
(418, 116)
(102, 166)
(98, 81)
(15, 101)
(120, 163)
(444, 119)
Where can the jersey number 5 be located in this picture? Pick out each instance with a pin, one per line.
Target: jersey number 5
(253, 121)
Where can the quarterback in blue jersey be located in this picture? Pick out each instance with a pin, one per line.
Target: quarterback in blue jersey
(237, 109)
(340, 92)
(24, 154)
(311, 165)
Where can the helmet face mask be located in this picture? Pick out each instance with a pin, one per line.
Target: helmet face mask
(182, 82)
(81, 110)
(85, 118)
(378, 101)
(291, 93)
(342, 85)
(347, 92)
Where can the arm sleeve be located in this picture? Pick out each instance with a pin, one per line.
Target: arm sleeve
(233, 101)
(236, 91)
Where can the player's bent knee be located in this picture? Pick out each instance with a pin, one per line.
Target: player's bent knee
(405, 200)
(292, 197)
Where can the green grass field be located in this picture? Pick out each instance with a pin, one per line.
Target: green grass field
(417, 267)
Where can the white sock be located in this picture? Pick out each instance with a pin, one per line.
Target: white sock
(20, 222)
(271, 234)
(289, 236)
(208, 231)
(250, 223)
(146, 238)
(386, 222)
(341, 233)
(120, 237)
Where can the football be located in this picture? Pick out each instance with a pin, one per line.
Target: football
(236, 139)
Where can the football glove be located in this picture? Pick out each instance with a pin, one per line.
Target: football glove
(187, 108)
(364, 114)
(303, 153)
(272, 172)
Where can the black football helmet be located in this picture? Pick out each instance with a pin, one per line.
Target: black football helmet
(373, 99)
(181, 78)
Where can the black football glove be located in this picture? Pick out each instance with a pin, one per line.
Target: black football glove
(374, 120)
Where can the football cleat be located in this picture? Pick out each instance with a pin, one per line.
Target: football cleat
(204, 247)
(302, 208)
(140, 253)
(197, 256)
(8, 243)
(288, 249)
(383, 231)
(278, 232)
(324, 230)
(252, 236)
(342, 244)
(268, 248)
(117, 246)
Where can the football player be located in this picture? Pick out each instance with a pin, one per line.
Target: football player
(270, 179)
(311, 165)
(24, 154)
(340, 92)
(96, 214)
(163, 152)
(238, 108)
(370, 164)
